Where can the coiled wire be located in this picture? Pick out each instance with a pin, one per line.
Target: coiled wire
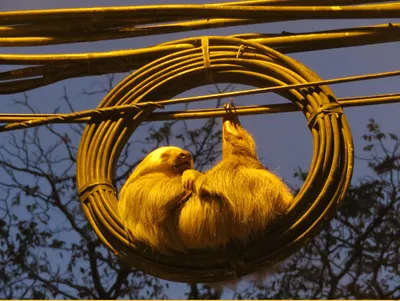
(217, 60)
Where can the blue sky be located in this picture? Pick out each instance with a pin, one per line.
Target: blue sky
(284, 142)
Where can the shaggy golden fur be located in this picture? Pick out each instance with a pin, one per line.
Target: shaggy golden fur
(170, 206)
(236, 198)
(150, 197)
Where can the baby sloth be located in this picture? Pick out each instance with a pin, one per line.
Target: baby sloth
(150, 197)
(236, 198)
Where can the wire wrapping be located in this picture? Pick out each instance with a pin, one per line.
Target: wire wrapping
(323, 190)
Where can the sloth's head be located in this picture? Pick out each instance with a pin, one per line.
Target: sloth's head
(167, 159)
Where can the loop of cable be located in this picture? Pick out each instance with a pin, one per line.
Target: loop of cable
(323, 190)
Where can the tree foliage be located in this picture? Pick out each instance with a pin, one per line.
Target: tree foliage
(48, 250)
(356, 255)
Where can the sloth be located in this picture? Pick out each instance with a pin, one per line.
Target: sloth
(170, 206)
(236, 198)
(150, 197)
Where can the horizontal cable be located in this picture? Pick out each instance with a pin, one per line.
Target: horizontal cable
(23, 121)
(279, 88)
(57, 67)
(381, 33)
(60, 31)
(386, 10)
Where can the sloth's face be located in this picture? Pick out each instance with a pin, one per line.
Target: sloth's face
(182, 161)
(177, 159)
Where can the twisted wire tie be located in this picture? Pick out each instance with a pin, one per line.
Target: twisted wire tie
(322, 111)
(89, 189)
(205, 49)
(240, 50)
